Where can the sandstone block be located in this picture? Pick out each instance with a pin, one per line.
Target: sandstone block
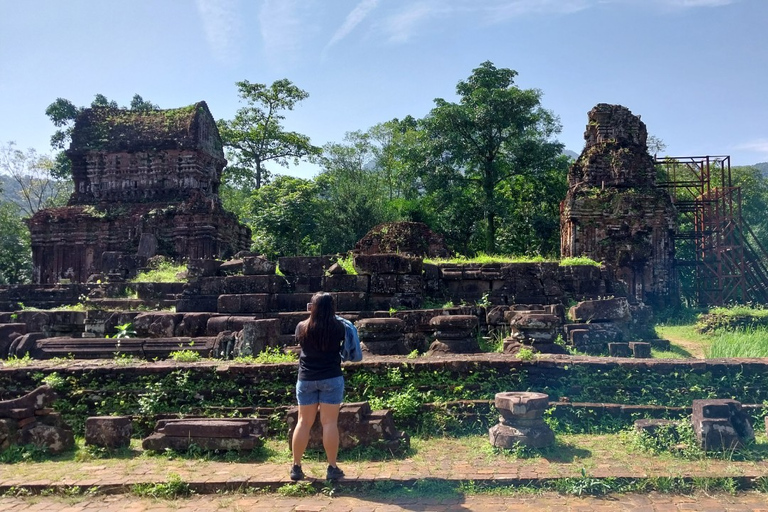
(108, 431)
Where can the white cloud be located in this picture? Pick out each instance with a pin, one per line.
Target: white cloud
(281, 30)
(697, 3)
(757, 145)
(503, 10)
(222, 28)
(400, 26)
(352, 20)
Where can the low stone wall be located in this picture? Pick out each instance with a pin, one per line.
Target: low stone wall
(97, 388)
(389, 281)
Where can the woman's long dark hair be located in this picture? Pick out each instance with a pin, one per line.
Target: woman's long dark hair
(321, 331)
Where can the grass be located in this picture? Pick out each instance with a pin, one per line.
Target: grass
(348, 264)
(267, 356)
(685, 341)
(483, 258)
(741, 310)
(747, 342)
(164, 273)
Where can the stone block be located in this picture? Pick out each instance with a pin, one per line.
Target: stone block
(207, 428)
(8, 334)
(652, 426)
(521, 420)
(26, 344)
(384, 283)
(292, 301)
(197, 267)
(305, 284)
(108, 431)
(346, 283)
(25, 406)
(248, 284)
(256, 336)
(350, 301)
(197, 303)
(193, 324)
(721, 424)
(217, 324)
(619, 350)
(244, 303)
(289, 321)
(602, 310)
(640, 350)
(305, 265)
(156, 325)
(231, 267)
(161, 348)
(258, 265)
(389, 263)
(381, 336)
(358, 426)
(159, 443)
(211, 285)
(55, 439)
(410, 284)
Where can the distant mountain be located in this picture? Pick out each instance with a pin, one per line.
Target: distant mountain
(763, 168)
(571, 154)
(9, 189)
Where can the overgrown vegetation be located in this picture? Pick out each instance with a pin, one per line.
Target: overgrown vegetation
(164, 272)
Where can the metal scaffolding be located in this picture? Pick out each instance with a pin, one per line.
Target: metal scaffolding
(718, 258)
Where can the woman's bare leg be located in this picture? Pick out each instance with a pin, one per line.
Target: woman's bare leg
(307, 415)
(329, 417)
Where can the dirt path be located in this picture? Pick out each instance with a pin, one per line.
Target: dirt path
(695, 348)
(744, 502)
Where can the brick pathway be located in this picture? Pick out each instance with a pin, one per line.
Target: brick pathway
(652, 502)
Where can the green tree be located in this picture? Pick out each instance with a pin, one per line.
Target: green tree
(353, 191)
(33, 184)
(63, 113)
(256, 135)
(15, 250)
(495, 132)
(285, 215)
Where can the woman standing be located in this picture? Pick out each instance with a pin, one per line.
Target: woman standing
(326, 340)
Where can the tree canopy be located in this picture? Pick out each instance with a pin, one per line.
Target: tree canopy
(495, 132)
(256, 135)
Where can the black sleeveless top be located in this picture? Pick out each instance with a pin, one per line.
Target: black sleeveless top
(319, 365)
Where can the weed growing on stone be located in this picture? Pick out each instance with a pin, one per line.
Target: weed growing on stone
(26, 360)
(270, 355)
(185, 356)
(297, 490)
(175, 487)
(16, 453)
(166, 272)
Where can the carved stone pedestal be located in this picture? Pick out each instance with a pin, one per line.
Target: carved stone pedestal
(521, 420)
(382, 336)
(455, 334)
(721, 424)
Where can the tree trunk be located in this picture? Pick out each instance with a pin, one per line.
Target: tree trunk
(490, 213)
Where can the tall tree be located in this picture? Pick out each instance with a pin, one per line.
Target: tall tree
(15, 251)
(285, 216)
(256, 135)
(63, 113)
(495, 132)
(34, 185)
(353, 191)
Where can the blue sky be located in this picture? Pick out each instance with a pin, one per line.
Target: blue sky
(695, 70)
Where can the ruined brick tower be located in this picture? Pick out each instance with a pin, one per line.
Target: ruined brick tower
(146, 183)
(613, 211)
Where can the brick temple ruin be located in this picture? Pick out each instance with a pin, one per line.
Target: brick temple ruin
(613, 211)
(146, 183)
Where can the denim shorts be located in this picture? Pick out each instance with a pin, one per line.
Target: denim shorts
(326, 391)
